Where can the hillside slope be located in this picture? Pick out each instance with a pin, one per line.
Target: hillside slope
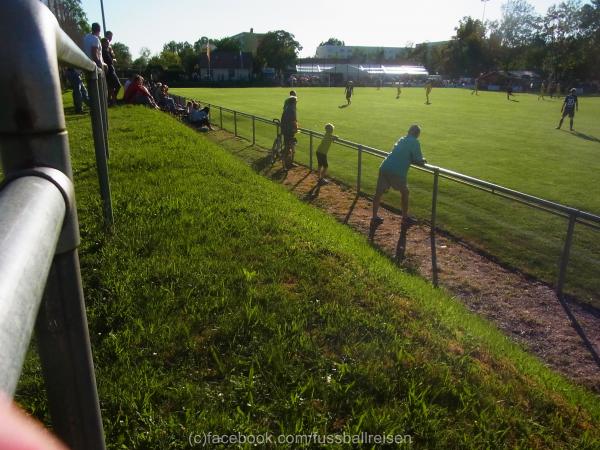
(223, 304)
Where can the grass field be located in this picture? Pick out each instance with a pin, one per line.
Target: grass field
(223, 304)
(511, 143)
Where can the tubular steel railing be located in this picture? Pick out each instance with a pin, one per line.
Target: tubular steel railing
(572, 215)
(40, 281)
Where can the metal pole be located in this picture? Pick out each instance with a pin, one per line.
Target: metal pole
(33, 211)
(434, 269)
(359, 174)
(235, 123)
(69, 372)
(253, 131)
(32, 134)
(100, 148)
(310, 149)
(564, 259)
(221, 116)
(103, 87)
(103, 21)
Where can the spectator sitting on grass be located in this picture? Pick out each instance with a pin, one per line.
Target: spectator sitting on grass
(322, 151)
(201, 117)
(138, 94)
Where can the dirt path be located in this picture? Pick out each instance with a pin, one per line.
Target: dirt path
(524, 309)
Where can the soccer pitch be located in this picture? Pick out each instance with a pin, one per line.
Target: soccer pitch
(511, 143)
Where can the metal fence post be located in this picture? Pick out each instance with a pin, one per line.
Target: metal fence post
(100, 147)
(103, 88)
(221, 116)
(564, 259)
(310, 150)
(359, 174)
(434, 268)
(35, 123)
(253, 131)
(235, 123)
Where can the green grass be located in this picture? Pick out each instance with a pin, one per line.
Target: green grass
(513, 144)
(223, 304)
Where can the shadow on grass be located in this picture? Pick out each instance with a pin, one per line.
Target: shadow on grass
(261, 164)
(351, 210)
(587, 137)
(343, 106)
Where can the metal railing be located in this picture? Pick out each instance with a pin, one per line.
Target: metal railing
(571, 215)
(40, 281)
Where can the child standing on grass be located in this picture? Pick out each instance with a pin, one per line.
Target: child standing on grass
(322, 151)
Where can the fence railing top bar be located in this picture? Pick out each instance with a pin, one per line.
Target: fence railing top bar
(450, 174)
(511, 192)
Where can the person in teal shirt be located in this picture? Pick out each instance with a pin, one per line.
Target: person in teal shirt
(394, 170)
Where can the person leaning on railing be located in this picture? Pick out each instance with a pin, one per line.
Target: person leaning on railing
(394, 170)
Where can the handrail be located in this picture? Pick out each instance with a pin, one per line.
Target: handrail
(39, 230)
(33, 211)
(547, 205)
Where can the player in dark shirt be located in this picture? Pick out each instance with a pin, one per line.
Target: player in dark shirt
(569, 106)
(349, 91)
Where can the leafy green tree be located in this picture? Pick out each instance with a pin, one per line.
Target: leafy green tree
(333, 41)
(563, 36)
(590, 28)
(227, 44)
(277, 49)
(71, 17)
(122, 54)
(467, 53)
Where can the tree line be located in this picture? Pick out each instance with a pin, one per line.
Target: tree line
(562, 44)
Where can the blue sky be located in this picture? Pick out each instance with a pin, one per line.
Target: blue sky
(393, 23)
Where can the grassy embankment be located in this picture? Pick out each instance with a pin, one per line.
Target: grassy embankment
(223, 304)
(509, 143)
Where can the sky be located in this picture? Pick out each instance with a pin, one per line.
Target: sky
(385, 23)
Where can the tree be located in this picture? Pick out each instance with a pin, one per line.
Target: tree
(122, 54)
(277, 49)
(467, 53)
(563, 35)
(333, 41)
(71, 17)
(519, 24)
(141, 63)
(228, 44)
(590, 28)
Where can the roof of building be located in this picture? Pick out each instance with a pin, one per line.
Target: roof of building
(371, 69)
(227, 60)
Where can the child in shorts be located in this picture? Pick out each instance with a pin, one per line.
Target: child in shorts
(322, 151)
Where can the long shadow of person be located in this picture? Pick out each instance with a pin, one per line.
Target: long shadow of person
(587, 137)
(313, 193)
(343, 106)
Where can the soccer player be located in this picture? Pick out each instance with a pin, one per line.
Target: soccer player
(509, 91)
(428, 88)
(349, 91)
(542, 90)
(569, 106)
(399, 89)
(394, 170)
(476, 87)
